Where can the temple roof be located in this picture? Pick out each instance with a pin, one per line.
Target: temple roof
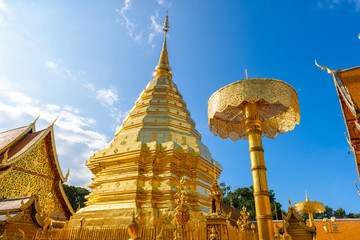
(235, 213)
(21, 142)
(9, 137)
(13, 208)
(22, 146)
(347, 83)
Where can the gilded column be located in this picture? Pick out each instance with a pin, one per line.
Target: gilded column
(258, 169)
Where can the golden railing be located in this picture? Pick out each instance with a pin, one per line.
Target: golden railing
(146, 233)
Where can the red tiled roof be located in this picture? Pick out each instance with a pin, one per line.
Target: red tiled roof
(8, 138)
(235, 213)
(12, 208)
(12, 204)
(27, 142)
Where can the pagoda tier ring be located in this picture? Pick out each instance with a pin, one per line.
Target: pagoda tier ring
(277, 106)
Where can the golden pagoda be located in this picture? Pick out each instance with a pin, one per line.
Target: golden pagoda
(142, 166)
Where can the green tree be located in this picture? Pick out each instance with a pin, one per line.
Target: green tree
(340, 213)
(76, 195)
(245, 197)
(329, 212)
(353, 215)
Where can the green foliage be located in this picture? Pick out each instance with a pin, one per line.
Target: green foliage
(340, 213)
(245, 197)
(76, 195)
(329, 212)
(353, 215)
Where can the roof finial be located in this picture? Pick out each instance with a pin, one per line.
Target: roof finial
(36, 119)
(55, 121)
(166, 23)
(324, 68)
(307, 197)
(163, 68)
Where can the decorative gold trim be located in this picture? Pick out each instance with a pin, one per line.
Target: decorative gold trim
(324, 68)
(65, 198)
(67, 175)
(11, 219)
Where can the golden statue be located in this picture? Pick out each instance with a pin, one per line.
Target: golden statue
(133, 229)
(249, 109)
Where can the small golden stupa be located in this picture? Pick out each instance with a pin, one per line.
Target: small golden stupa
(141, 168)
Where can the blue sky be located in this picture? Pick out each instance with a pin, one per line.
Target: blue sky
(88, 61)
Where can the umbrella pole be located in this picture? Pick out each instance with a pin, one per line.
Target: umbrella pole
(261, 193)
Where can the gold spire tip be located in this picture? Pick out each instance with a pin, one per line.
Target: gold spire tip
(166, 23)
(307, 197)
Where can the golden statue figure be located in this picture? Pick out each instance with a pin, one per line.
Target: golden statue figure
(133, 229)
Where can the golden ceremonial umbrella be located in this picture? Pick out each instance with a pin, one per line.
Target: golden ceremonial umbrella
(310, 207)
(249, 109)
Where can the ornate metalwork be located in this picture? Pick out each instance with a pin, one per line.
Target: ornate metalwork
(216, 220)
(182, 214)
(249, 109)
(310, 207)
(244, 220)
(277, 106)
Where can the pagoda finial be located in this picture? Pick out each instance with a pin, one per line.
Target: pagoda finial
(166, 23)
(163, 68)
(307, 197)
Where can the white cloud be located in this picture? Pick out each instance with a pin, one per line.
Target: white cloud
(105, 96)
(3, 6)
(108, 96)
(130, 26)
(164, 3)
(17, 97)
(75, 137)
(331, 4)
(3, 9)
(51, 64)
(155, 27)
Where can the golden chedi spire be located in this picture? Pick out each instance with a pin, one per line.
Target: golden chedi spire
(163, 68)
(156, 145)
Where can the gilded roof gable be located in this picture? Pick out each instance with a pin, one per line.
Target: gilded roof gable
(33, 158)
